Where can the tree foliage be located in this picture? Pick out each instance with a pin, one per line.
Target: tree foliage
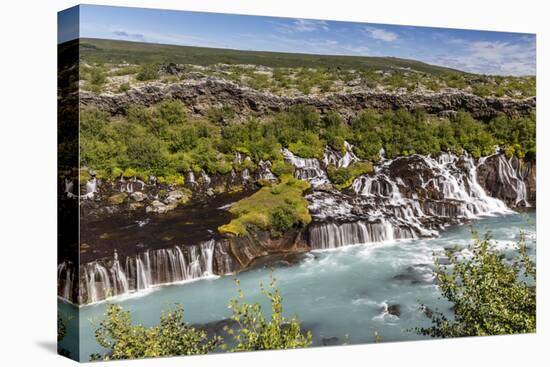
(490, 294)
(173, 336)
(256, 331)
(163, 140)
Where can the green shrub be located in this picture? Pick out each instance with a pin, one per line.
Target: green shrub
(173, 112)
(281, 218)
(343, 177)
(255, 331)
(281, 167)
(490, 295)
(124, 87)
(148, 72)
(173, 336)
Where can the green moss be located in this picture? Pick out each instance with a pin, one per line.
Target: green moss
(187, 195)
(84, 175)
(220, 189)
(176, 180)
(135, 206)
(117, 199)
(275, 208)
(344, 177)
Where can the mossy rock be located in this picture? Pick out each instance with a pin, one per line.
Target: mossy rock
(135, 206)
(263, 209)
(117, 199)
(220, 189)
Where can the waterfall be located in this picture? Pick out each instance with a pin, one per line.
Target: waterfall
(382, 154)
(338, 159)
(333, 235)
(265, 171)
(97, 282)
(207, 180)
(238, 158)
(441, 176)
(307, 169)
(120, 282)
(107, 278)
(191, 178)
(406, 198)
(68, 187)
(91, 188)
(65, 280)
(511, 177)
(130, 185)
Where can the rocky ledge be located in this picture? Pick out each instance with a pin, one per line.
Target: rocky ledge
(202, 94)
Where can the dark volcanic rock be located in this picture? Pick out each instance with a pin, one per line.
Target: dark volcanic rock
(413, 275)
(394, 310)
(330, 341)
(249, 248)
(428, 312)
(202, 94)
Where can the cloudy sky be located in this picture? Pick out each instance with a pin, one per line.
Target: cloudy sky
(473, 51)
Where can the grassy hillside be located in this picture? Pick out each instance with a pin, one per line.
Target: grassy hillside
(113, 51)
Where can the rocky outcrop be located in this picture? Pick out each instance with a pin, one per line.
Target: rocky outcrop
(204, 93)
(249, 248)
(512, 180)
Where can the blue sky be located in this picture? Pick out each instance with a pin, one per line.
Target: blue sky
(474, 51)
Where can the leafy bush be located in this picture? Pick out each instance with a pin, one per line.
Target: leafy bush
(282, 219)
(148, 72)
(124, 87)
(343, 177)
(173, 112)
(281, 167)
(173, 336)
(256, 332)
(490, 295)
(163, 140)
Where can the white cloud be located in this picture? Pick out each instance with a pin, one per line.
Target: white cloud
(381, 34)
(491, 57)
(305, 25)
(301, 25)
(318, 46)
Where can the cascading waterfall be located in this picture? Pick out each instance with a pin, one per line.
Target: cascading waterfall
(338, 159)
(406, 198)
(512, 177)
(308, 169)
(265, 171)
(105, 279)
(207, 180)
(332, 235)
(65, 276)
(131, 184)
(191, 178)
(91, 188)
